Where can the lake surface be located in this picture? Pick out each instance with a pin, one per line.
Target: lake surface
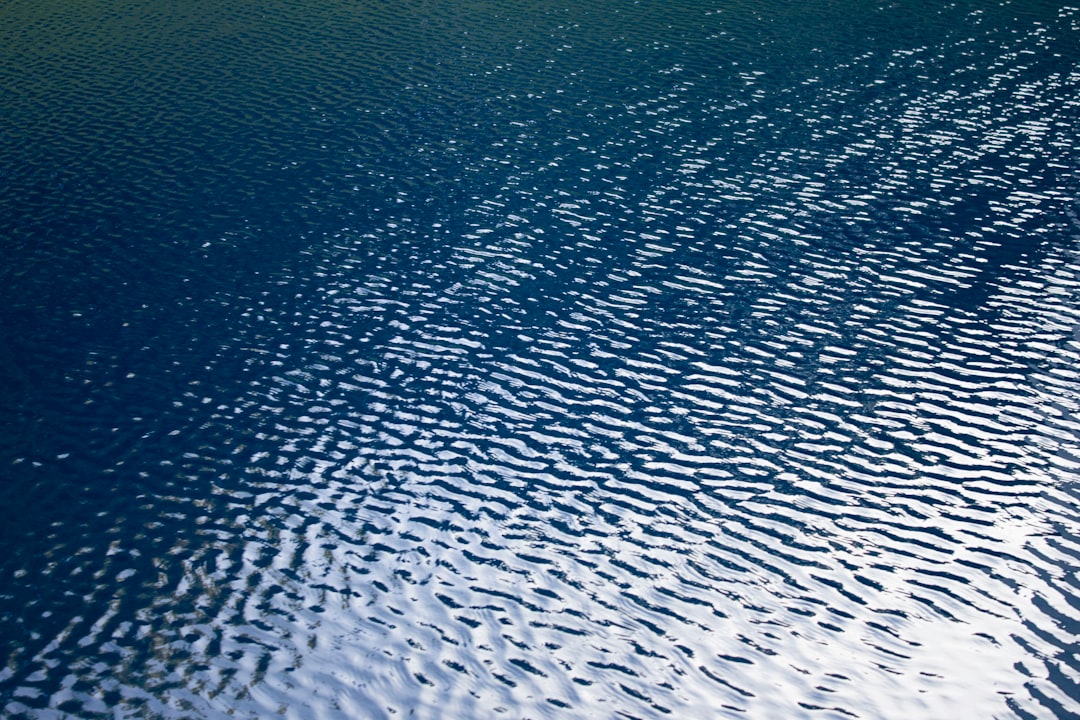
(536, 359)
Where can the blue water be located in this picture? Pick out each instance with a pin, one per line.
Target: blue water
(469, 360)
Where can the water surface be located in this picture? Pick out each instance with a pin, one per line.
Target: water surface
(523, 360)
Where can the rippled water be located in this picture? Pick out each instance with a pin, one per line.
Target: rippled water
(522, 360)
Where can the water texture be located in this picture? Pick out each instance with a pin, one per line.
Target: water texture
(526, 360)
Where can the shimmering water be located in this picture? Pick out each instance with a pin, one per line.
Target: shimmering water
(527, 359)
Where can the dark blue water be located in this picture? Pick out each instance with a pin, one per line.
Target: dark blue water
(468, 360)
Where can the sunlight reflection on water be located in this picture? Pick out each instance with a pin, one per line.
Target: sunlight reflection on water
(536, 382)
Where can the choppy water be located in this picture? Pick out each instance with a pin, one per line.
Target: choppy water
(523, 360)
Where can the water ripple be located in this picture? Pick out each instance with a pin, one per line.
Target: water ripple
(652, 387)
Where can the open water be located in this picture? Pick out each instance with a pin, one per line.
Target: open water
(706, 359)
